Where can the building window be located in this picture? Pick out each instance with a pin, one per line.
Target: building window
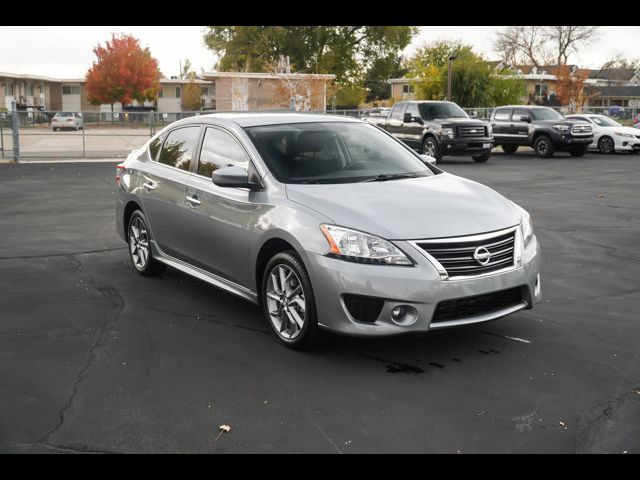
(161, 93)
(178, 92)
(204, 91)
(407, 88)
(541, 91)
(70, 90)
(31, 89)
(10, 89)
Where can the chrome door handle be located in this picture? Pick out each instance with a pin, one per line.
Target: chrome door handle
(193, 201)
(149, 185)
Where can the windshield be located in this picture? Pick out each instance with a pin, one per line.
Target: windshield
(545, 114)
(604, 121)
(334, 152)
(429, 111)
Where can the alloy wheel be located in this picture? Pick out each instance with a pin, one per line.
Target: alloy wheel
(606, 145)
(139, 243)
(286, 303)
(430, 148)
(543, 146)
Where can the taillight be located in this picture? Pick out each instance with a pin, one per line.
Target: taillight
(119, 171)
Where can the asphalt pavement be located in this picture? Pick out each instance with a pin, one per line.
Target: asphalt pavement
(94, 358)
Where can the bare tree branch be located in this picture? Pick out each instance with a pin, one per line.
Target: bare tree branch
(566, 39)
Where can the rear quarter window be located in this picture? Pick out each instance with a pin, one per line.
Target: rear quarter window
(502, 114)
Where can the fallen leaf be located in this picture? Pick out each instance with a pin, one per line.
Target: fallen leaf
(601, 195)
(227, 428)
(561, 423)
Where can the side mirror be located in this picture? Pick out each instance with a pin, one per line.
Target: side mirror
(428, 159)
(407, 117)
(234, 177)
(525, 118)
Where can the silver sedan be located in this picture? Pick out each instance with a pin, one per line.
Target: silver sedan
(327, 223)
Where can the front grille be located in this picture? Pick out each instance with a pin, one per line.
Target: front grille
(581, 129)
(457, 255)
(467, 307)
(470, 132)
(363, 309)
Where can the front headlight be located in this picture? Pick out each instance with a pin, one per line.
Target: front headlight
(622, 134)
(447, 132)
(562, 128)
(525, 222)
(355, 246)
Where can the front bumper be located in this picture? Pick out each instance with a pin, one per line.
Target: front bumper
(568, 140)
(466, 146)
(419, 288)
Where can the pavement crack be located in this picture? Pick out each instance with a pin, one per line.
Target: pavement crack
(99, 335)
(67, 254)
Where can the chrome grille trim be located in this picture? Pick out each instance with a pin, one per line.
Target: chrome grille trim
(453, 264)
(581, 129)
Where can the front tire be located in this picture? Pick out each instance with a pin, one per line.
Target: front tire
(140, 253)
(606, 145)
(430, 147)
(481, 158)
(288, 302)
(510, 149)
(543, 147)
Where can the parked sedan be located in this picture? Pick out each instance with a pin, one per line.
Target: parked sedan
(62, 120)
(610, 136)
(328, 223)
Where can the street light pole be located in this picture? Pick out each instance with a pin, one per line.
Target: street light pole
(452, 57)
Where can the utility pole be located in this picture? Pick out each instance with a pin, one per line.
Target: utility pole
(452, 57)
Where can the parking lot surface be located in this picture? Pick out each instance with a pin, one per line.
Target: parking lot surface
(94, 358)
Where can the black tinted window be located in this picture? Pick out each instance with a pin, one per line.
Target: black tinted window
(177, 150)
(219, 149)
(441, 110)
(333, 153)
(503, 114)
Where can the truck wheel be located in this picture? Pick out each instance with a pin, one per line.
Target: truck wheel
(430, 147)
(606, 145)
(578, 151)
(481, 158)
(543, 147)
(510, 148)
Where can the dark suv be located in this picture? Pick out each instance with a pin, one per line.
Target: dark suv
(438, 129)
(541, 128)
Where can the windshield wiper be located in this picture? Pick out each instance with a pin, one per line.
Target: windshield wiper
(392, 176)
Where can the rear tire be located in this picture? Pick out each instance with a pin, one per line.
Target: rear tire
(430, 147)
(139, 240)
(578, 151)
(509, 148)
(543, 147)
(288, 303)
(482, 158)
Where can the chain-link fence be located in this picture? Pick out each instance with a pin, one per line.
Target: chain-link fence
(68, 135)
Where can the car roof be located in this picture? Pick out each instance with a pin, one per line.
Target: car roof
(522, 106)
(254, 119)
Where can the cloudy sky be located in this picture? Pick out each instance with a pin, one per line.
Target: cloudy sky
(66, 52)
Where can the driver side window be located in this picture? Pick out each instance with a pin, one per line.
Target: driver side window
(220, 149)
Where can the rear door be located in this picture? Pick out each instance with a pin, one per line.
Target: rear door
(501, 124)
(163, 188)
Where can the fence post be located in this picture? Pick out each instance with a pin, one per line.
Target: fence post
(15, 125)
(2, 136)
(84, 148)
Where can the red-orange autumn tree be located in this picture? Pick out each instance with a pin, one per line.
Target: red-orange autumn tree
(122, 72)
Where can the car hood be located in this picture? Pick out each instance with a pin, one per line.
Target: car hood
(427, 207)
(461, 121)
(630, 130)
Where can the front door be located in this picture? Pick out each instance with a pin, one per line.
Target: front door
(519, 128)
(218, 219)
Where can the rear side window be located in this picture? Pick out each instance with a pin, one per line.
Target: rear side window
(154, 147)
(220, 149)
(502, 114)
(178, 149)
(398, 111)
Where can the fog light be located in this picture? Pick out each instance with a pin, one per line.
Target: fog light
(398, 313)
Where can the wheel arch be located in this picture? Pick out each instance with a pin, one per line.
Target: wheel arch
(268, 249)
(130, 207)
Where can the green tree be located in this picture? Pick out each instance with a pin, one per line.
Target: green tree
(375, 80)
(346, 51)
(474, 81)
